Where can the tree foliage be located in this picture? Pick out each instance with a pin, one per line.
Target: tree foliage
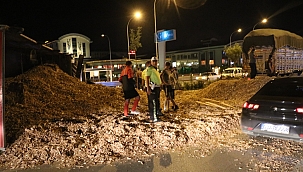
(134, 39)
(233, 52)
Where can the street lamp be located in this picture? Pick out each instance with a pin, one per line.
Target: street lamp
(263, 21)
(155, 21)
(110, 56)
(239, 30)
(137, 15)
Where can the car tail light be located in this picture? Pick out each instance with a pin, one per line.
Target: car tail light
(299, 110)
(247, 105)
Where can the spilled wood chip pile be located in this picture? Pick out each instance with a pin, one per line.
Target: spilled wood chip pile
(51, 117)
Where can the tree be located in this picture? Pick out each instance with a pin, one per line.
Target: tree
(134, 39)
(233, 52)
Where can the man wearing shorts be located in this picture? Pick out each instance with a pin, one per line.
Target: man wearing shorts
(166, 78)
(128, 85)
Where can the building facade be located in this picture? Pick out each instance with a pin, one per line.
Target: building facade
(73, 43)
(198, 60)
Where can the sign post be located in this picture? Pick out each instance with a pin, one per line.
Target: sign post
(2, 76)
(162, 37)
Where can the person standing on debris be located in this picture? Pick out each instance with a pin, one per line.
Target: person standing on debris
(167, 80)
(252, 63)
(269, 66)
(144, 86)
(128, 85)
(153, 83)
(175, 73)
(139, 78)
(147, 64)
(175, 85)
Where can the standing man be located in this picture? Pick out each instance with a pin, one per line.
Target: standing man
(252, 63)
(175, 85)
(144, 86)
(167, 81)
(139, 78)
(147, 64)
(128, 85)
(153, 82)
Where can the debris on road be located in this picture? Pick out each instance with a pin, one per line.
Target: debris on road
(51, 117)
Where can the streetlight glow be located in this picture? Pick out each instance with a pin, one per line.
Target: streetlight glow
(263, 21)
(239, 30)
(137, 15)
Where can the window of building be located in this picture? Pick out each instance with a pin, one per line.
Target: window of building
(174, 58)
(64, 47)
(194, 56)
(203, 56)
(74, 44)
(211, 55)
(84, 49)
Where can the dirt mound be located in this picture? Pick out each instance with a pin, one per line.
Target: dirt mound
(52, 117)
(234, 91)
(46, 93)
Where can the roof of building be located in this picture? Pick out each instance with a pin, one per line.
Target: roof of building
(74, 34)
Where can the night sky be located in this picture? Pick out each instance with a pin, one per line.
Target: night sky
(194, 20)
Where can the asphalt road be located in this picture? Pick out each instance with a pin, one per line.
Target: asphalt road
(190, 161)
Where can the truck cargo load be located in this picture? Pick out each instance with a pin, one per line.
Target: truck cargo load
(285, 47)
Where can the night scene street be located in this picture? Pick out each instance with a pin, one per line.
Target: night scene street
(151, 86)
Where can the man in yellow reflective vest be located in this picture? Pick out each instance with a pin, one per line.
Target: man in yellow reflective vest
(153, 83)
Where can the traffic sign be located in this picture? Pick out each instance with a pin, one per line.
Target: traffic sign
(166, 35)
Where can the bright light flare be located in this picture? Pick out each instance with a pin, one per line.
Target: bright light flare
(138, 15)
(264, 20)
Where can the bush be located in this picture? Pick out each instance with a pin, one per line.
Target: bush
(193, 85)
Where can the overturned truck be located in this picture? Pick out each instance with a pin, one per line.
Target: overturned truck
(285, 47)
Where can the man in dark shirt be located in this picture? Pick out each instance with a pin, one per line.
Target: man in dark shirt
(252, 63)
(167, 79)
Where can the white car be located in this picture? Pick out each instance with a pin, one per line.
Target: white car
(233, 72)
(208, 76)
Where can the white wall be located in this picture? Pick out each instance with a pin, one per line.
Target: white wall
(80, 39)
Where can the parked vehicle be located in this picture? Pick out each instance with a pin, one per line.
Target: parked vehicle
(208, 76)
(285, 47)
(276, 110)
(233, 72)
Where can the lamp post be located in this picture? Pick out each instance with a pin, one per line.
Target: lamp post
(110, 56)
(137, 15)
(239, 30)
(155, 21)
(263, 21)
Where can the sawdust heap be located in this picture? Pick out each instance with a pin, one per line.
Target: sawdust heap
(52, 117)
(46, 93)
